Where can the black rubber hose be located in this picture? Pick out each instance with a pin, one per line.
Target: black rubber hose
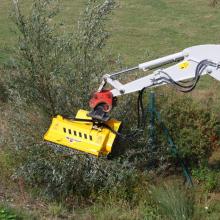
(188, 88)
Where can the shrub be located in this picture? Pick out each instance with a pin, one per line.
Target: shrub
(90, 60)
(194, 127)
(51, 66)
(62, 176)
(40, 61)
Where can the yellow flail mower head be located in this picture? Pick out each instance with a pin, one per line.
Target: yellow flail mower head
(84, 135)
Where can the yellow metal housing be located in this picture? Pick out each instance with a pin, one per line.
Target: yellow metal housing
(82, 136)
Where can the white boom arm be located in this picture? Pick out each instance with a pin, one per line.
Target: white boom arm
(188, 61)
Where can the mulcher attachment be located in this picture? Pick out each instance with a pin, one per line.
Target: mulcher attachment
(85, 136)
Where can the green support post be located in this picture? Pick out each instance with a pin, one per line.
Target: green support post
(151, 128)
(154, 114)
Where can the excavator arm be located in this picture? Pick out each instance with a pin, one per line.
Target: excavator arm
(191, 63)
(94, 132)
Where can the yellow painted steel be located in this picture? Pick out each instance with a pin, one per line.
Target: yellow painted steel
(82, 136)
(184, 65)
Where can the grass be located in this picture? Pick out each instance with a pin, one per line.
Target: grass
(162, 27)
(174, 202)
(9, 213)
(5, 31)
(140, 29)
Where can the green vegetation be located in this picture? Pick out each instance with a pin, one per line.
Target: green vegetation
(174, 202)
(209, 177)
(142, 30)
(6, 215)
(51, 63)
(193, 126)
(9, 213)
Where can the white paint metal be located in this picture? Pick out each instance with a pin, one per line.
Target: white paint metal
(190, 56)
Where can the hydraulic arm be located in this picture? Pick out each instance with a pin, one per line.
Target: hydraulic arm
(94, 132)
(191, 64)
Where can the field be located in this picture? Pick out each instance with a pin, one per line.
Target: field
(140, 30)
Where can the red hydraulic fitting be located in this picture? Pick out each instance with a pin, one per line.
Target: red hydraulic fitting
(104, 98)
